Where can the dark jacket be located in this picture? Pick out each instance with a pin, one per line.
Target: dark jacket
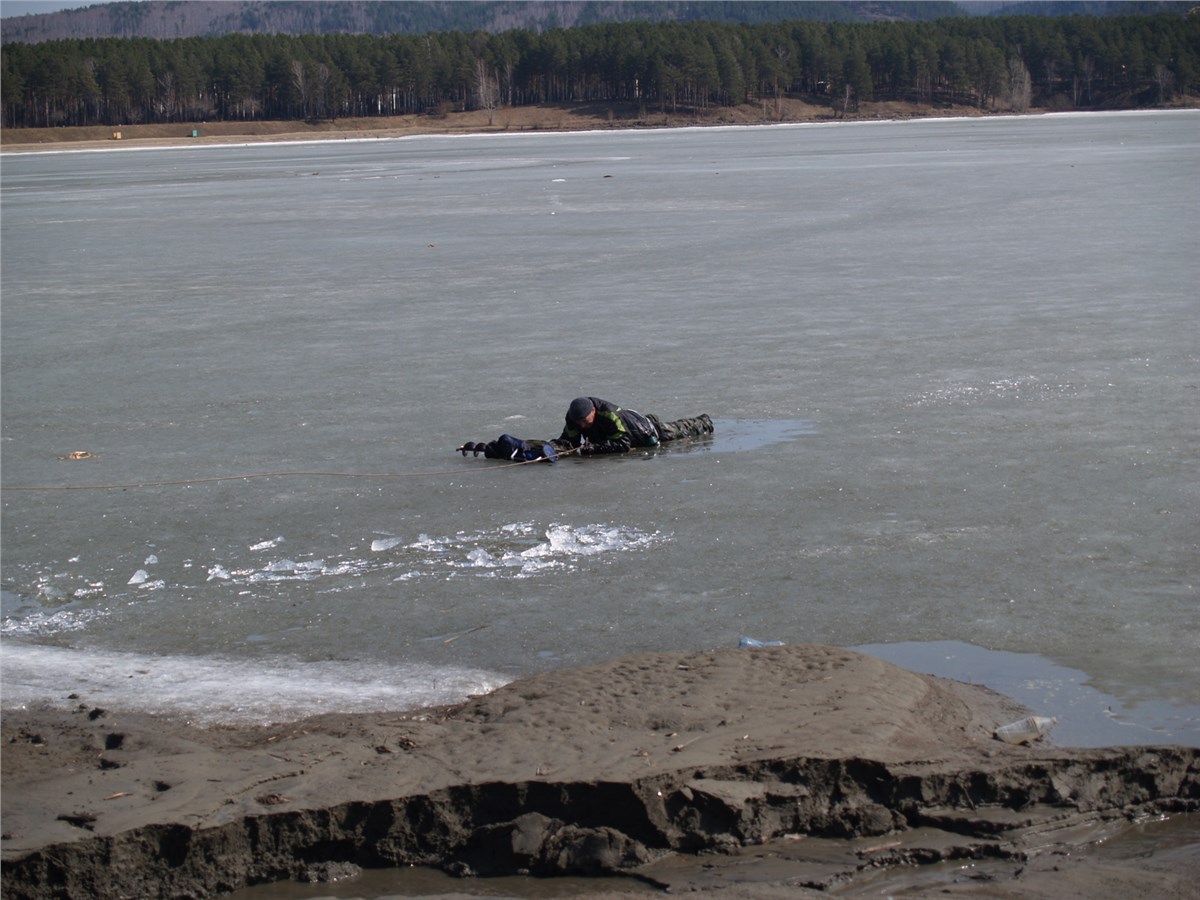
(615, 430)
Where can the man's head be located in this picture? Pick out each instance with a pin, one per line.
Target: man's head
(582, 412)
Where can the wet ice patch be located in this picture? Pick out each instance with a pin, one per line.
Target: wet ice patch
(1086, 716)
(741, 435)
(1016, 388)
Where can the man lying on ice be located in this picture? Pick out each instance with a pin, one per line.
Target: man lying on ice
(594, 427)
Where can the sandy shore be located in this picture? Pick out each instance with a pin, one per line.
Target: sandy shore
(526, 120)
(748, 772)
(563, 117)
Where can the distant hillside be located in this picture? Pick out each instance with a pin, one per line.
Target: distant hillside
(165, 19)
(1077, 7)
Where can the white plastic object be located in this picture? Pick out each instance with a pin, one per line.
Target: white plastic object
(1028, 729)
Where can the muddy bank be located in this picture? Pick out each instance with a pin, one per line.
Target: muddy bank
(652, 767)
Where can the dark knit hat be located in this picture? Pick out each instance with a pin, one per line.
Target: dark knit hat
(580, 407)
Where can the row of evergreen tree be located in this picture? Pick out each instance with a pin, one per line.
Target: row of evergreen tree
(1006, 62)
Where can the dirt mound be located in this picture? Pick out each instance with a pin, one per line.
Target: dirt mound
(602, 770)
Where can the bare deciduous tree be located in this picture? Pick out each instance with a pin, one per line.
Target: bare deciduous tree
(1164, 81)
(1089, 75)
(166, 85)
(300, 81)
(1020, 85)
(487, 88)
(324, 80)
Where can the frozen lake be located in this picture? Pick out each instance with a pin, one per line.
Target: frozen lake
(953, 366)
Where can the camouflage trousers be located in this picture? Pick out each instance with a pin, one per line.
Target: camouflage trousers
(697, 426)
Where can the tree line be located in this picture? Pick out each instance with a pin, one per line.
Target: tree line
(1075, 62)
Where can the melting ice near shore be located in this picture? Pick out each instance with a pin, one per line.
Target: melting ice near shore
(66, 600)
(519, 550)
(211, 690)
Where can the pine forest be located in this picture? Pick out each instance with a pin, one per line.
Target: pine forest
(1009, 63)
